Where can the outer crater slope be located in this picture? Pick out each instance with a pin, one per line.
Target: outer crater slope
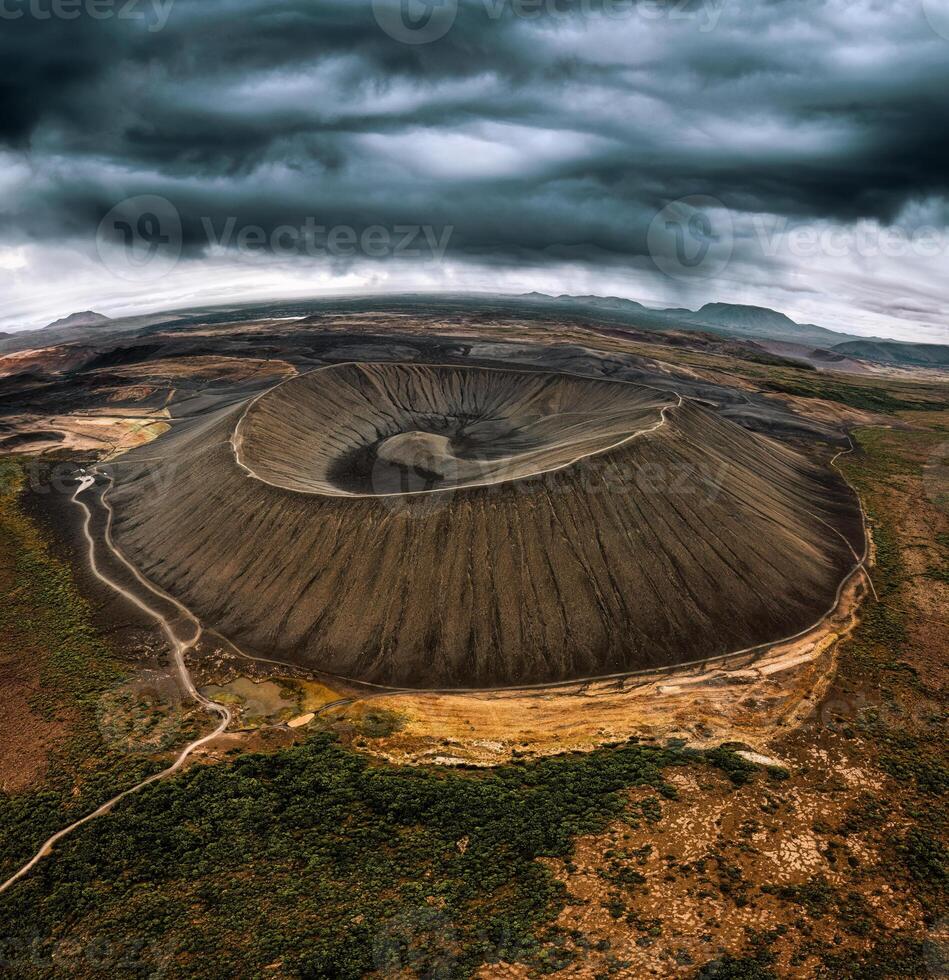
(436, 527)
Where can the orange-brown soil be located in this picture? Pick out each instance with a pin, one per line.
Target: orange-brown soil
(745, 699)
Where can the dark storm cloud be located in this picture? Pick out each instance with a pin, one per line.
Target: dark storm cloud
(540, 137)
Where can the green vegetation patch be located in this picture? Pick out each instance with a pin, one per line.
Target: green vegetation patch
(332, 865)
(868, 398)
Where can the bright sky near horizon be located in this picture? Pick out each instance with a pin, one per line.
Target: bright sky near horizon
(781, 155)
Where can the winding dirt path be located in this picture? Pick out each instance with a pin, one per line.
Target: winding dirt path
(180, 646)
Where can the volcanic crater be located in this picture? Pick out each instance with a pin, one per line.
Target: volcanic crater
(438, 527)
(378, 430)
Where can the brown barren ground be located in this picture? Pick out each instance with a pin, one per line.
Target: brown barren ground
(742, 699)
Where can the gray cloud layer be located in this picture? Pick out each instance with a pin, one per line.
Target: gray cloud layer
(543, 140)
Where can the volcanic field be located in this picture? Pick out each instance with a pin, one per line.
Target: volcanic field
(465, 527)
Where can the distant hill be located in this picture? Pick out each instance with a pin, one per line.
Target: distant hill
(816, 357)
(85, 319)
(778, 333)
(745, 317)
(607, 302)
(756, 323)
(894, 352)
(760, 322)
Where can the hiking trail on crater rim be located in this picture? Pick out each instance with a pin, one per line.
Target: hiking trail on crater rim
(441, 527)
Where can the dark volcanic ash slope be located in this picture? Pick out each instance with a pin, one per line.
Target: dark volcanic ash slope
(569, 527)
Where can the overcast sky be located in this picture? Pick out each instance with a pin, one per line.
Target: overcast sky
(160, 153)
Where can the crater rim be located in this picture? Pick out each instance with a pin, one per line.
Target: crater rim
(674, 400)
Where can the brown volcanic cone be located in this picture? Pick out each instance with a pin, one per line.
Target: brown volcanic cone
(463, 527)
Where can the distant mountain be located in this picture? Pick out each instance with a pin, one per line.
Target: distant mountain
(730, 319)
(777, 333)
(757, 323)
(619, 310)
(607, 302)
(894, 352)
(85, 319)
(764, 324)
(744, 317)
